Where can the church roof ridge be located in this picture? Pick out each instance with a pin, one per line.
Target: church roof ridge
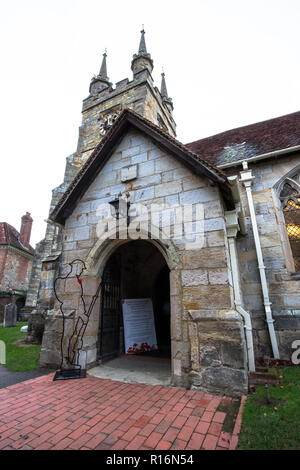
(255, 139)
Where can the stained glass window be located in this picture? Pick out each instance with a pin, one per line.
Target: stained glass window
(290, 198)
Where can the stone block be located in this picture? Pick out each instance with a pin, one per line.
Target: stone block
(140, 158)
(213, 331)
(232, 354)
(180, 173)
(122, 164)
(82, 233)
(154, 154)
(128, 173)
(173, 200)
(262, 196)
(50, 359)
(146, 169)
(175, 283)
(218, 276)
(144, 194)
(212, 225)
(176, 317)
(213, 210)
(146, 181)
(91, 356)
(209, 356)
(70, 246)
(130, 152)
(193, 182)
(165, 163)
(194, 346)
(287, 323)
(215, 238)
(224, 381)
(165, 189)
(292, 301)
(201, 297)
(194, 277)
(78, 220)
(199, 195)
(167, 176)
(214, 257)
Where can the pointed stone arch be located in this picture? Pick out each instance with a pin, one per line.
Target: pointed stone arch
(107, 244)
(96, 261)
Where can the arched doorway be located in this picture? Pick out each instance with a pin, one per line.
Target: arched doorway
(135, 270)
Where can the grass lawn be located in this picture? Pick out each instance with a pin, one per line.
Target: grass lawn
(19, 358)
(277, 426)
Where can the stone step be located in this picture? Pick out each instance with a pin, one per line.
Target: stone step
(261, 378)
(262, 369)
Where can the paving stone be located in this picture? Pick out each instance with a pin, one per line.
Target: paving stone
(58, 415)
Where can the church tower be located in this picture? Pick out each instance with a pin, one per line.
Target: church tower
(99, 111)
(104, 102)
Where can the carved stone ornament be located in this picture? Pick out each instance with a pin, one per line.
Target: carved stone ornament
(106, 122)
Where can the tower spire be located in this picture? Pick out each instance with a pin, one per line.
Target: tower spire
(142, 46)
(101, 81)
(164, 93)
(142, 61)
(163, 88)
(103, 69)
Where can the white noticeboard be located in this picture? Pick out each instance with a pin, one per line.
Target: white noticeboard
(139, 326)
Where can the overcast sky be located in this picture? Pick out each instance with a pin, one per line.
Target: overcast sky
(228, 63)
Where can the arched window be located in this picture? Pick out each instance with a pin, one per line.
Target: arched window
(290, 200)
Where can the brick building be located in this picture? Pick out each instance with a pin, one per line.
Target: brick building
(16, 257)
(208, 230)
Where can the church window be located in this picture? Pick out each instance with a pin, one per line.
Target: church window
(290, 200)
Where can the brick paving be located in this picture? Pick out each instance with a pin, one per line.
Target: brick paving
(95, 413)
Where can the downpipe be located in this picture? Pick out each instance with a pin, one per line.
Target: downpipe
(246, 179)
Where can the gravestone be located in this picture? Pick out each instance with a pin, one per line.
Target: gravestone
(10, 315)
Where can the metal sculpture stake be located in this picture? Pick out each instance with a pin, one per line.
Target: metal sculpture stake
(75, 343)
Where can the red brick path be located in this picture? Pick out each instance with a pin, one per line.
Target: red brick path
(94, 413)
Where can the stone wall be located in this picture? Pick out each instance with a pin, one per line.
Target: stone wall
(284, 288)
(200, 276)
(16, 269)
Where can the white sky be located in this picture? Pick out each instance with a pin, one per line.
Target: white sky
(228, 63)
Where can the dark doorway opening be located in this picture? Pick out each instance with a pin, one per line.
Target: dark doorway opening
(136, 270)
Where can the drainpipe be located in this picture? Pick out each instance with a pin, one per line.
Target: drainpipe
(247, 179)
(232, 228)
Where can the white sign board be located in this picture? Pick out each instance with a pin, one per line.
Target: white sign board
(139, 326)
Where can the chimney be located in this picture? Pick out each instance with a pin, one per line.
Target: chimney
(25, 232)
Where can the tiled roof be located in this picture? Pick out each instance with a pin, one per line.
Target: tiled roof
(10, 236)
(249, 141)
